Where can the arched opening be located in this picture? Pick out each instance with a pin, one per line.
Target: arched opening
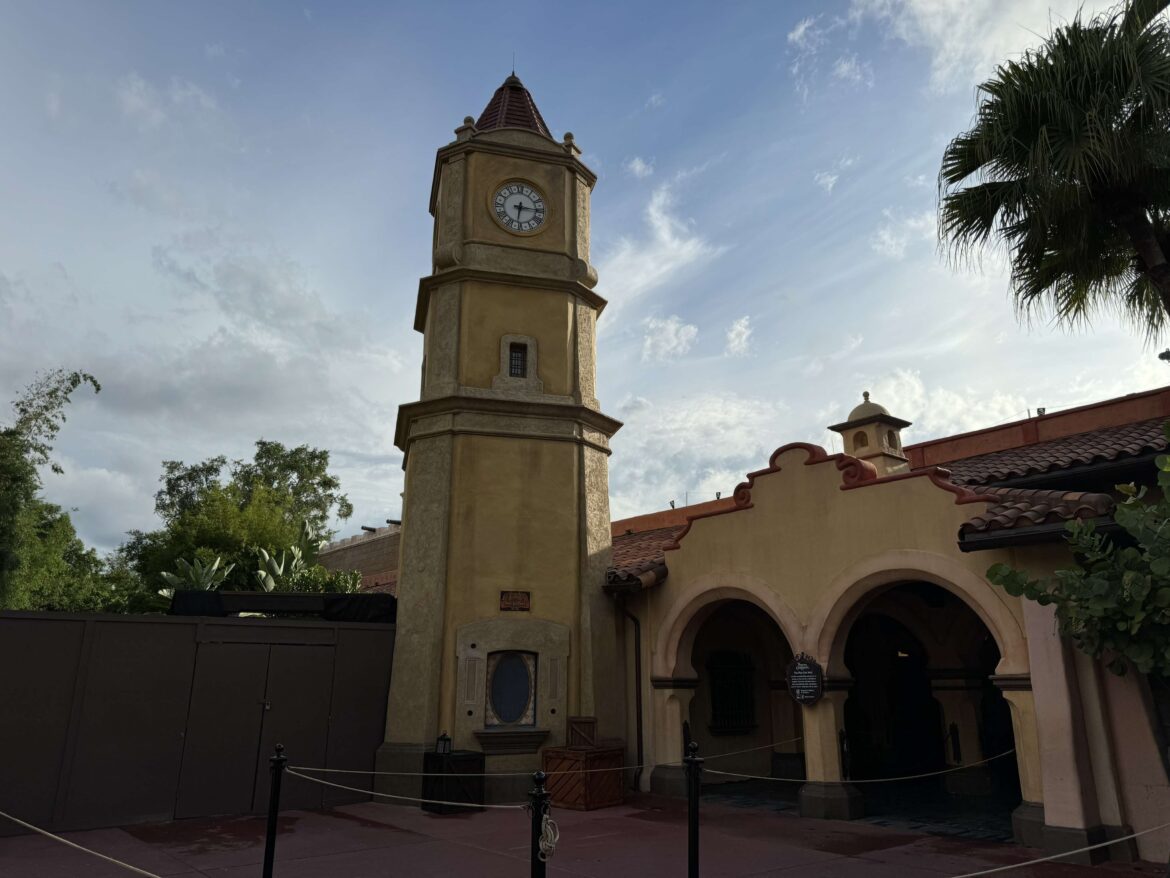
(922, 701)
(741, 705)
(860, 440)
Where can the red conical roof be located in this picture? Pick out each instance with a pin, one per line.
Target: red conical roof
(512, 107)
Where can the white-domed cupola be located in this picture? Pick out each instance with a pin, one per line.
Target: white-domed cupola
(871, 433)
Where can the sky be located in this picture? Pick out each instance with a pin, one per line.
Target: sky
(220, 210)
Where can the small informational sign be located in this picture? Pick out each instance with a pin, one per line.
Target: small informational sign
(806, 679)
(516, 600)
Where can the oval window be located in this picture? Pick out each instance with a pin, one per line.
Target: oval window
(511, 688)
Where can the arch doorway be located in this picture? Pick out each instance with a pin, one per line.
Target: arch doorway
(922, 701)
(741, 705)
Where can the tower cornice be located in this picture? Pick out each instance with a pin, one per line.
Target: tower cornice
(456, 275)
(555, 154)
(501, 417)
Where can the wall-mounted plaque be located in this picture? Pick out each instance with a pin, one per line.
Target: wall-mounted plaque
(806, 679)
(516, 600)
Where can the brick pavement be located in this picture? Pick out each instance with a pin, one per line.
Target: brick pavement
(644, 838)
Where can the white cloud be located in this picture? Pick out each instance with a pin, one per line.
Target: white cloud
(139, 101)
(966, 39)
(667, 339)
(655, 101)
(826, 180)
(145, 105)
(639, 167)
(848, 68)
(896, 233)
(214, 50)
(816, 365)
(941, 411)
(687, 448)
(739, 337)
(636, 266)
(806, 35)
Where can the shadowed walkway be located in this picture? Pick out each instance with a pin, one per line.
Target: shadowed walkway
(644, 838)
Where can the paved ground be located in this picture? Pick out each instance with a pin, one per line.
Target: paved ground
(645, 838)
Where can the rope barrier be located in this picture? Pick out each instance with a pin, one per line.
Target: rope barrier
(1092, 847)
(78, 847)
(550, 834)
(869, 779)
(327, 783)
(529, 773)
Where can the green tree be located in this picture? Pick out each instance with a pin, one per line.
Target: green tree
(1067, 166)
(25, 445)
(1113, 600)
(282, 498)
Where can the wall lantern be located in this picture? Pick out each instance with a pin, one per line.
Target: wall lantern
(443, 744)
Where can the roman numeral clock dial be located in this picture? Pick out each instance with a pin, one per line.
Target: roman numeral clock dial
(518, 207)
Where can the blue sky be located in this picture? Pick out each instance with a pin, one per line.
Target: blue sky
(220, 209)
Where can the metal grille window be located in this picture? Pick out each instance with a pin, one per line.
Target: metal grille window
(511, 689)
(518, 360)
(733, 693)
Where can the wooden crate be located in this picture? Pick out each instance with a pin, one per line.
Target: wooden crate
(574, 781)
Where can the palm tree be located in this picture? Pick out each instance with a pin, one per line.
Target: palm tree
(1067, 166)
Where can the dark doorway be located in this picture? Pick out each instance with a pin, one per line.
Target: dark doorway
(922, 701)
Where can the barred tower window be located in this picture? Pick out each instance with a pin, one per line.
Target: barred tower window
(518, 360)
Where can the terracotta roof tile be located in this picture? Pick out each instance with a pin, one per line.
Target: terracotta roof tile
(512, 107)
(1025, 507)
(638, 558)
(1108, 443)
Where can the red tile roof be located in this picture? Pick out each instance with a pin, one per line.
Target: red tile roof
(1025, 507)
(1108, 443)
(512, 107)
(638, 558)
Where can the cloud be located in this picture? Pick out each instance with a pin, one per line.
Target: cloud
(966, 39)
(139, 101)
(940, 411)
(148, 107)
(816, 365)
(148, 190)
(214, 50)
(826, 180)
(655, 101)
(638, 167)
(667, 339)
(670, 246)
(739, 337)
(896, 233)
(848, 68)
(687, 448)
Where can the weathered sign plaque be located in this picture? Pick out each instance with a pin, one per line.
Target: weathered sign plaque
(806, 679)
(516, 600)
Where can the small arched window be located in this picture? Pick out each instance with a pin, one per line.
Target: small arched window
(860, 440)
(891, 440)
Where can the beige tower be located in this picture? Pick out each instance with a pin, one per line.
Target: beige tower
(503, 628)
(871, 433)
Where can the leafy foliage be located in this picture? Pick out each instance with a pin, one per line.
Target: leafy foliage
(1115, 601)
(26, 444)
(1067, 165)
(199, 576)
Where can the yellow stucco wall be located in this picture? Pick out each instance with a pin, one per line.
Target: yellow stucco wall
(808, 550)
(514, 526)
(488, 312)
(486, 172)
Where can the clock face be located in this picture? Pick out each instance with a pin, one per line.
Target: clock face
(519, 207)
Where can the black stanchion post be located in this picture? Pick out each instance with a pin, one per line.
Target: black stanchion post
(538, 799)
(694, 789)
(276, 765)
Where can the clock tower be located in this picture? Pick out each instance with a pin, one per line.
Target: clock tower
(503, 628)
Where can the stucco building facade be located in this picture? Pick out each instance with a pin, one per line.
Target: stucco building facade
(521, 604)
